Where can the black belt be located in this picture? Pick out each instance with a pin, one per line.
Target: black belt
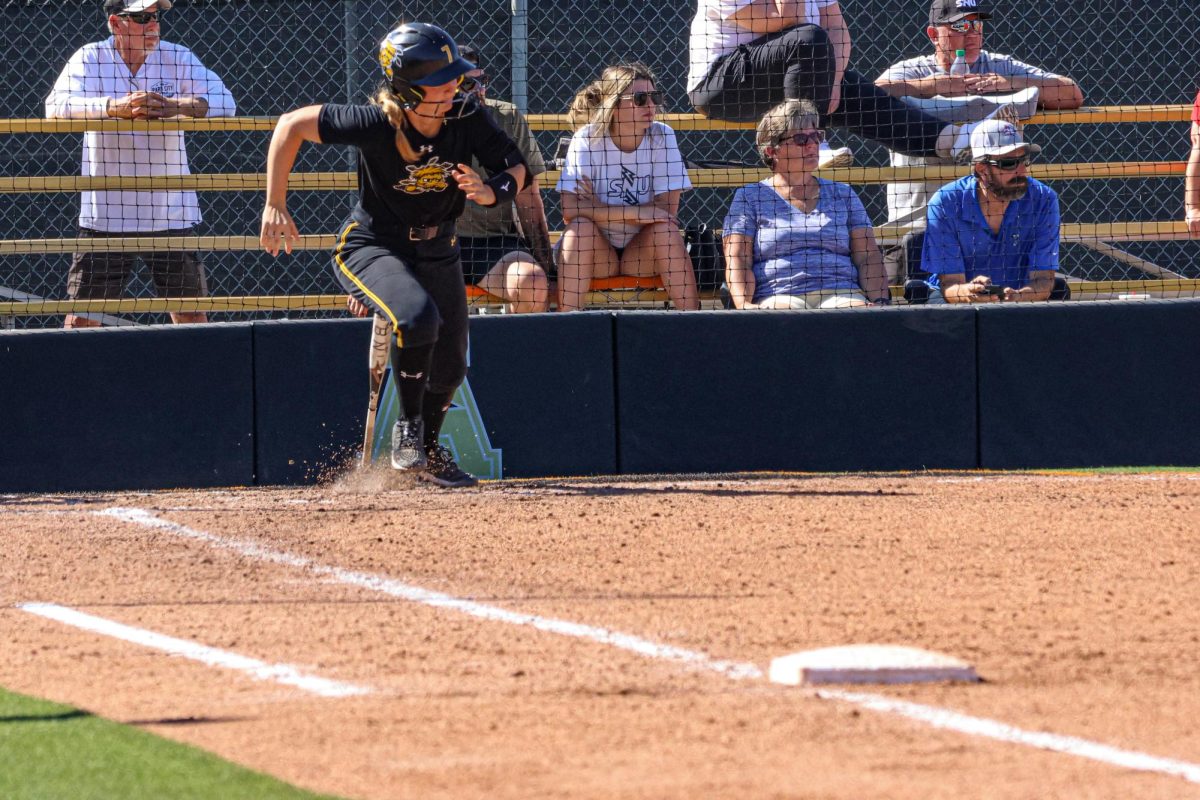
(429, 232)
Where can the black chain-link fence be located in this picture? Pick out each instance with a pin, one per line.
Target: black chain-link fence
(276, 55)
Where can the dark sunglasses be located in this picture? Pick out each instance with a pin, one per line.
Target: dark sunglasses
(1008, 164)
(964, 25)
(803, 137)
(639, 98)
(140, 17)
(470, 84)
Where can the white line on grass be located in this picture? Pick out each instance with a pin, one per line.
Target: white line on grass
(260, 670)
(929, 715)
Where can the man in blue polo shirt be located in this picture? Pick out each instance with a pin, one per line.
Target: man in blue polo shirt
(993, 235)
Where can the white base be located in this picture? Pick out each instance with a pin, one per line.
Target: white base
(868, 663)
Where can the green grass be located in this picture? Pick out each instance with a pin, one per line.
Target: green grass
(50, 751)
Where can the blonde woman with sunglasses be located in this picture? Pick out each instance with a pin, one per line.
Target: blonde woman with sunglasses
(620, 189)
(794, 240)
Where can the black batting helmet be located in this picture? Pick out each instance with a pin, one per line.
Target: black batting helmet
(417, 54)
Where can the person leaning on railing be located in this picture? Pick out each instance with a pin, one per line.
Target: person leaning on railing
(794, 240)
(136, 75)
(1191, 197)
(746, 56)
(620, 189)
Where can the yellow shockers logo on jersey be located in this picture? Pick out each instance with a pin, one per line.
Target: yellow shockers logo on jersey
(432, 176)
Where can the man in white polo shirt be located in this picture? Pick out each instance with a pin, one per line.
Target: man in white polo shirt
(134, 74)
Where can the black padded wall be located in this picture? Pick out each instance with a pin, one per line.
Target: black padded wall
(1090, 384)
(123, 408)
(310, 389)
(544, 385)
(861, 389)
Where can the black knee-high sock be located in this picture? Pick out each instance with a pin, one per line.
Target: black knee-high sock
(410, 371)
(434, 413)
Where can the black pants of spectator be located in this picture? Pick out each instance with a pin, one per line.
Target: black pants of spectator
(798, 63)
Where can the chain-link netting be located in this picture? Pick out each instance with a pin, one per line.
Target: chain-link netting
(276, 56)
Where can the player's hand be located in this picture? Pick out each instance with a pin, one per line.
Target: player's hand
(356, 307)
(987, 83)
(472, 186)
(278, 230)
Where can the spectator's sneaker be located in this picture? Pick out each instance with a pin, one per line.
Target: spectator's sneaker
(961, 151)
(841, 157)
(408, 448)
(444, 472)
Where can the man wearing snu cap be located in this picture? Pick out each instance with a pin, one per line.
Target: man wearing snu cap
(993, 235)
(134, 74)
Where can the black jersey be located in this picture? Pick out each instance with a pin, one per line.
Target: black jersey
(395, 194)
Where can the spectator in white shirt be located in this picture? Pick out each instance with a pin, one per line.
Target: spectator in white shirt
(135, 75)
(620, 189)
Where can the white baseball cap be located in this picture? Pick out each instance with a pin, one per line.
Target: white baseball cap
(996, 138)
(134, 6)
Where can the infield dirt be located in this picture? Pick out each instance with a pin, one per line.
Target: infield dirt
(1076, 597)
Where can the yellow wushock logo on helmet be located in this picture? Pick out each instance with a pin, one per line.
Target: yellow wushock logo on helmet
(432, 176)
(387, 53)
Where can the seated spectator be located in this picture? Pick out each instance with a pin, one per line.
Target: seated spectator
(504, 260)
(992, 79)
(794, 240)
(747, 56)
(620, 187)
(993, 235)
(1191, 197)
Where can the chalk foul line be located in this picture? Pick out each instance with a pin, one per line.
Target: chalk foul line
(933, 716)
(213, 657)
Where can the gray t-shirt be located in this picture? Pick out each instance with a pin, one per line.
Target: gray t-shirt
(907, 201)
(498, 220)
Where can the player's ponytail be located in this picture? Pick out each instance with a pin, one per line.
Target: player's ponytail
(389, 104)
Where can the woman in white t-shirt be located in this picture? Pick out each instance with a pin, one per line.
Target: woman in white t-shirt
(620, 189)
(746, 56)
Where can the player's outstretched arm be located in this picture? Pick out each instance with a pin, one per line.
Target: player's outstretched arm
(293, 129)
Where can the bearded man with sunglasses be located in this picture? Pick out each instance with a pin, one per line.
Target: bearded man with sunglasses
(993, 235)
(926, 82)
(136, 75)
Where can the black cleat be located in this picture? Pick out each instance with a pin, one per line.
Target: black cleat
(444, 472)
(408, 449)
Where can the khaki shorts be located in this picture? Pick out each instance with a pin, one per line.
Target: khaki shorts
(104, 275)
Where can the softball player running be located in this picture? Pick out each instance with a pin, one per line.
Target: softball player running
(398, 253)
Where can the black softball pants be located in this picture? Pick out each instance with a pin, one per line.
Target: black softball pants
(799, 63)
(418, 287)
